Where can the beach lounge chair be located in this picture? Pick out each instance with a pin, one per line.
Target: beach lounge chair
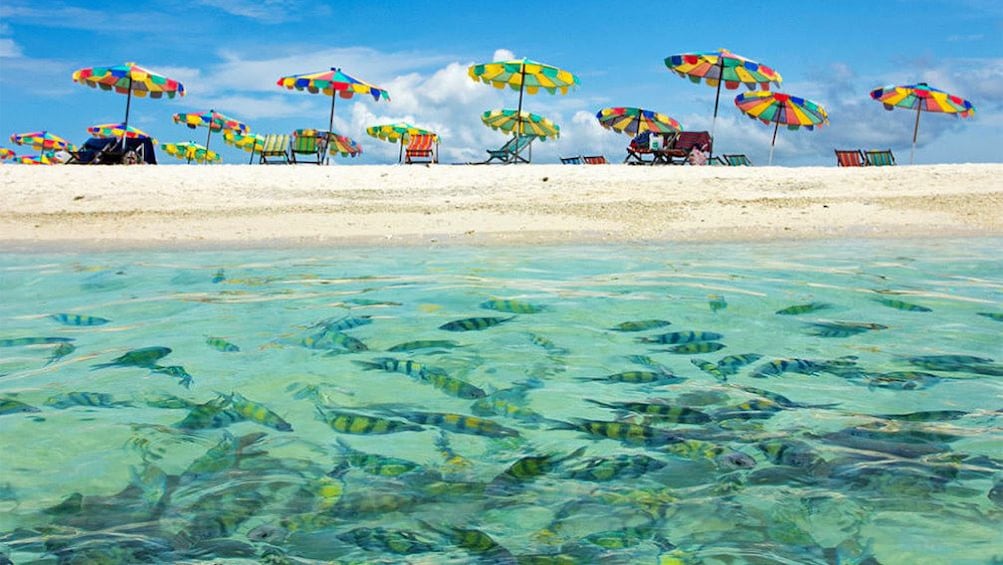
(420, 149)
(850, 158)
(511, 152)
(879, 157)
(678, 152)
(275, 146)
(639, 146)
(576, 160)
(309, 145)
(110, 151)
(739, 160)
(595, 160)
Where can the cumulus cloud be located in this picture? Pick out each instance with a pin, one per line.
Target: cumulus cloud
(270, 11)
(9, 49)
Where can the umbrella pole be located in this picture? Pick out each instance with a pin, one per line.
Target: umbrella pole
(774, 143)
(915, 131)
(717, 100)
(400, 154)
(251, 160)
(330, 128)
(518, 114)
(207, 137)
(128, 103)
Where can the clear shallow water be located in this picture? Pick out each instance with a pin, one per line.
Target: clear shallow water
(736, 478)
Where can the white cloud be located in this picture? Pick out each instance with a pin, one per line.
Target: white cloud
(502, 55)
(270, 11)
(9, 49)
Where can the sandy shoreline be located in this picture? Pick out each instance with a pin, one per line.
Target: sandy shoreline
(255, 206)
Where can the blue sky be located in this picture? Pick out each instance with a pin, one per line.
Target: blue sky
(230, 53)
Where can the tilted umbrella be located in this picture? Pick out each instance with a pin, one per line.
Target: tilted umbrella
(42, 141)
(924, 98)
(129, 79)
(250, 142)
(191, 152)
(343, 145)
(399, 132)
(722, 67)
(211, 120)
(106, 131)
(6, 154)
(330, 83)
(521, 123)
(526, 76)
(42, 159)
(779, 108)
(633, 121)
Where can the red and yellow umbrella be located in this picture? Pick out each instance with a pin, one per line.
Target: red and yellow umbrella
(42, 159)
(211, 120)
(924, 98)
(105, 131)
(42, 141)
(633, 121)
(6, 154)
(250, 142)
(779, 108)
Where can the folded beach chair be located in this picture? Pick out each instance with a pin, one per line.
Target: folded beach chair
(96, 151)
(678, 152)
(275, 146)
(639, 146)
(879, 158)
(420, 149)
(511, 152)
(309, 145)
(850, 158)
(576, 160)
(595, 160)
(739, 160)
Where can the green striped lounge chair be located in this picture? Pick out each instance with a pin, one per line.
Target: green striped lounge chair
(306, 147)
(879, 158)
(737, 160)
(275, 146)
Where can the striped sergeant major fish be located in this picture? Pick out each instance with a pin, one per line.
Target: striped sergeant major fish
(527, 468)
(730, 364)
(258, 413)
(997, 316)
(343, 323)
(695, 348)
(716, 302)
(926, 416)
(696, 450)
(400, 542)
(781, 400)
(59, 351)
(513, 307)
(473, 324)
(424, 344)
(407, 367)
(631, 434)
(216, 413)
(452, 385)
(957, 363)
(903, 380)
(78, 320)
(218, 276)
(347, 422)
(901, 305)
(475, 542)
(624, 538)
(681, 337)
(799, 309)
(790, 453)
(145, 357)
(370, 463)
(778, 367)
(176, 371)
(637, 377)
(646, 361)
(11, 406)
(223, 456)
(640, 325)
(754, 409)
(657, 411)
(841, 329)
(547, 344)
(92, 399)
(220, 344)
(23, 341)
(506, 406)
(460, 423)
(332, 341)
(601, 469)
(710, 368)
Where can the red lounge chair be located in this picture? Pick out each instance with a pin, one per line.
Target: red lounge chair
(639, 146)
(420, 149)
(679, 150)
(595, 160)
(850, 158)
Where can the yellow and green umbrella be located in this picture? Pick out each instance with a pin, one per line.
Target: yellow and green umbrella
(399, 132)
(129, 79)
(778, 108)
(42, 141)
(924, 98)
(250, 142)
(633, 121)
(106, 131)
(191, 152)
(521, 123)
(6, 154)
(211, 120)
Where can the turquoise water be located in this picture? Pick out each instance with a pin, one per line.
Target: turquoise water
(861, 426)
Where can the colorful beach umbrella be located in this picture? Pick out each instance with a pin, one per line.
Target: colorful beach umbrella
(924, 98)
(105, 131)
(722, 67)
(782, 109)
(333, 83)
(250, 142)
(191, 152)
(343, 145)
(633, 121)
(399, 132)
(42, 141)
(211, 120)
(129, 79)
(521, 123)
(6, 154)
(526, 76)
(42, 159)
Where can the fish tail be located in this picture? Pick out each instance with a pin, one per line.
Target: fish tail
(559, 425)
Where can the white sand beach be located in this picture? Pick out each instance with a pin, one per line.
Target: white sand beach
(81, 207)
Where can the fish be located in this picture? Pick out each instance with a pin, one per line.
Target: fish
(657, 411)
(681, 337)
(22, 341)
(754, 409)
(343, 323)
(452, 385)
(223, 456)
(454, 462)
(601, 469)
(424, 344)
(640, 325)
(841, 329)
(630, 434)
(716, 302)
(370, 463)
(347, 422)
(399, 542)
(695, 348)
(995, 493)
(218, 277)
(926, 416)
(903, 380)
(957, 363)
(145, 357)
(460, 423)
(638, 377)
(11, 406)
(176, 371)
(513, 306)
(213, 414)
(799, 309)
(778, 367)
(258, 413)
(92, 399)
(790, 453)
(407, 367)
(78, 320)
(697, 450)
(371, 302)
(781, 400)
(710, 368)
(59, 351)
(624, 538)
(730, 364)
(332, 341)
(473, 324)
(901, 305)
(547, 344)
(220, 344)
(476, 542)
(998, 316)
(170, 402)
(530, 467)
(647, 361)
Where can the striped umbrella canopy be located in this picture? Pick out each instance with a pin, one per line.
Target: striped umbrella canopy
(42, 159)
(129, 79)
(104, 131)
(924, 98)
(633, 121)
(211, 120)
(399, 132)
(722, 67)
(250, 142)
(343, 145)
(42, 141)
(778, 108)
(191, 152)
(521, 123)
(6, 154)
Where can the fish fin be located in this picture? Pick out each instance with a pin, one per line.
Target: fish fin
(559, 425)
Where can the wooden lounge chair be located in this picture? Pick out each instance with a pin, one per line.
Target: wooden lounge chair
(275, 146)
(595, 160)
(511, 152)
(879, 157)
(420, 149)
(576, 160)
(678, 152)
(638, 148)
(739, 160)
(309, 144)
(850, 158)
